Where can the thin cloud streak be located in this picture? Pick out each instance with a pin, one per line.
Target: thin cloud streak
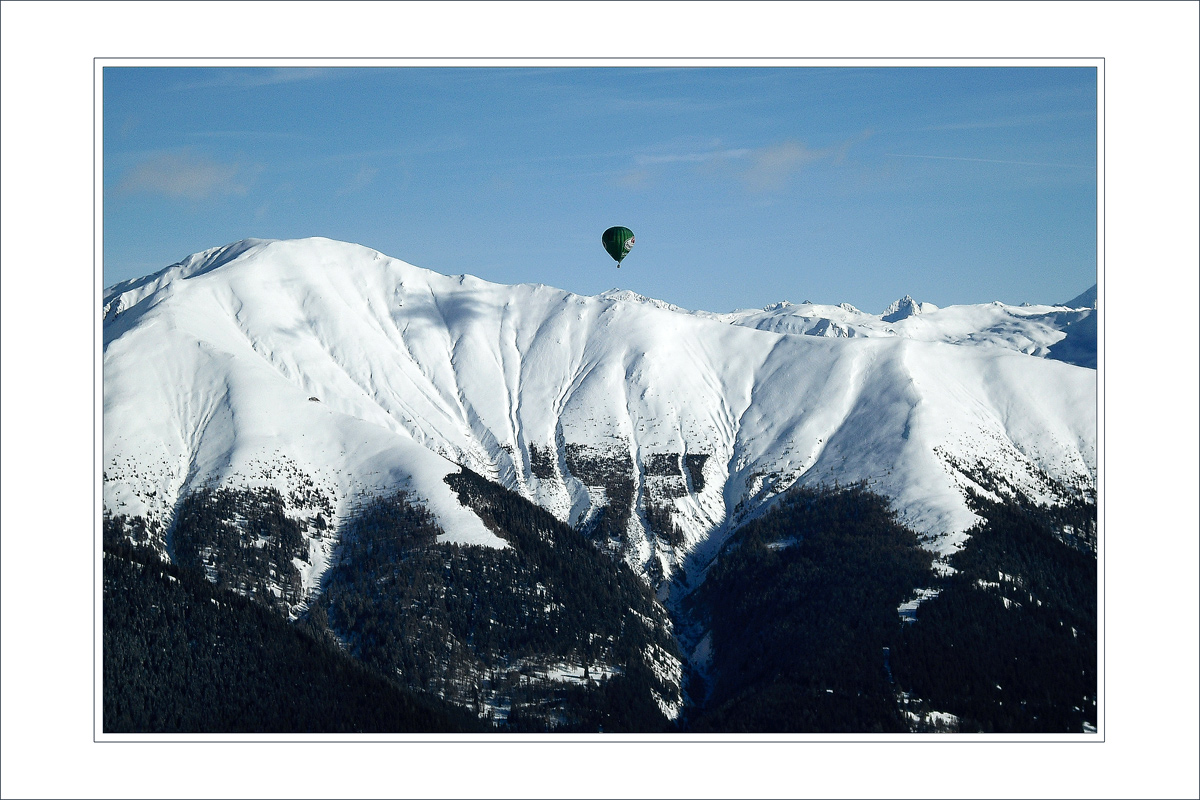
(993, 161)
(257, 77)
(184, 174)
(760, 169)
(248, 135)
(1009, 122)
(672, 158)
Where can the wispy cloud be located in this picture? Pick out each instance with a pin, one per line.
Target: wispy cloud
(762, 169)
(993, 161)
(247, 135)
(773, 167)
(1013, 121)
(360, 181)
(185, 174)
(633, 179)
(254, 77)
(694, 158)
(428, 147)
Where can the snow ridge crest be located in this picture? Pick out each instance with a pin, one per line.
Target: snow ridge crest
(903, 308)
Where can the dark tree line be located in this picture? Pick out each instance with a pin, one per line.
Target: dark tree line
(243, 540)
(465, 621)
(803, 600)
(801, 603)
(1072, 517)
(541, 461)
(661, 522)
(182, 656)
(695, 467)
(657, 508)
(1010, 643)
(612, 469)
(126, 529)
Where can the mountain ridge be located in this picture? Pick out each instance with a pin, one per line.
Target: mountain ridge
(395, 376)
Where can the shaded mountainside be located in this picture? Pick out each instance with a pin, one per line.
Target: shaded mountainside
(1079, 346)
(824, 616)
(182, 656)
(548, 633)
(1009, 644)
(800, 605)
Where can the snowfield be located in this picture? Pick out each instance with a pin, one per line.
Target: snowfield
(316, 362)
(1033, 330)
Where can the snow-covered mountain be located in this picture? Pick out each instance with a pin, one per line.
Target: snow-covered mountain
(1037, 330)
(331, 372)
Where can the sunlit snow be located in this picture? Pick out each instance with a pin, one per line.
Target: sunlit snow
(209, 367)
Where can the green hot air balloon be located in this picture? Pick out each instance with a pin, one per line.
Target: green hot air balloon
(618, 242)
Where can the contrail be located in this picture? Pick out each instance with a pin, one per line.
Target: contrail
(993, 161)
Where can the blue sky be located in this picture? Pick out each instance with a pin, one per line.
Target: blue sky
(743, 185)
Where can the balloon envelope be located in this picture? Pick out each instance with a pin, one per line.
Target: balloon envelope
(618, 241)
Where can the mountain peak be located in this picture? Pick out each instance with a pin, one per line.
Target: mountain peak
(903, 308)
(629, 296)
(1087, 299)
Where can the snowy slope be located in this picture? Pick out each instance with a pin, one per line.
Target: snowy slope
(1033, 330)
(315, 362)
